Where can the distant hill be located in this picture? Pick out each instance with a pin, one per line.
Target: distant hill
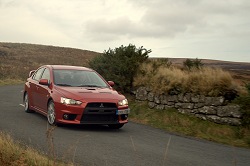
(217, 63)
(17, 59)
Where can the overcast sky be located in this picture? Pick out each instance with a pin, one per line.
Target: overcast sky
(204, 29)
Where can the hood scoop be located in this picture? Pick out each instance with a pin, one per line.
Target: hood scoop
(86, 92)
(105, 92)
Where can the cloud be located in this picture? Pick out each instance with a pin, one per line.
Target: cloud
(177, 28)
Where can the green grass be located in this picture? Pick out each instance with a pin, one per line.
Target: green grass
(172, 121)
(11, 82)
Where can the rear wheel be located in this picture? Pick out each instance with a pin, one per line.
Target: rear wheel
(26, 103)
(115, 126)
(51, 114)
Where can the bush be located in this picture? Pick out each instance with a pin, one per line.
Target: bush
(120, 64)
(190, 64)
(244, 102)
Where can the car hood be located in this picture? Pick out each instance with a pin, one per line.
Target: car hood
(90, 94)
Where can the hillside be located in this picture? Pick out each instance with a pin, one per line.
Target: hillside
(16, 59)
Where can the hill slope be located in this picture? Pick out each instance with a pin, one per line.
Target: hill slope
(16, 59)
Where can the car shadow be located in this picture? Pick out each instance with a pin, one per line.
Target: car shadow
(80, 127)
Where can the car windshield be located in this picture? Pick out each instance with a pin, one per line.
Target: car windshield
(78, 78)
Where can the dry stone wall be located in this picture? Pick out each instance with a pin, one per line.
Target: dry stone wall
(214, 109)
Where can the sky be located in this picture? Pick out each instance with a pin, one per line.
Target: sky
(204, 29)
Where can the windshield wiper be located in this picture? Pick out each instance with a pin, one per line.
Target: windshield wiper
(63, 84)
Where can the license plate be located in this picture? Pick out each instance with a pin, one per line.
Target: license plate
(121, 112)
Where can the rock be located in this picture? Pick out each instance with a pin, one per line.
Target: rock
(218, 101)
(167, 107)
(151, 96)
(187, 98)
(180, 97)
(231, 121)
(229, 111)
(170, 103)
(202, 99)
(199, 105)
(184, 111)
(157, 99)
(214, 118)
(195, 99)
(172, 98)
(203, 117)
(160, 107)
(141, 94)
(151, 105)
(163, 99)
(187, 105)
(208, 110)
(208, 101)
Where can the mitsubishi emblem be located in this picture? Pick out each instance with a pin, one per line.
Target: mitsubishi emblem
(101, 106)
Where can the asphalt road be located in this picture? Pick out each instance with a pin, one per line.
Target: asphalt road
(132, 145)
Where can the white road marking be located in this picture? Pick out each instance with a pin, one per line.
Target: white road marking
(21, 105)
(21, 91)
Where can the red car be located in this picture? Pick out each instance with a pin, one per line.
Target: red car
(74, 95)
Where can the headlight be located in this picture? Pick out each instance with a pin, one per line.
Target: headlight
(70, 101)
(123, 102)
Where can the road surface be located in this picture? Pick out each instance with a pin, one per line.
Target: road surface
(132, 145)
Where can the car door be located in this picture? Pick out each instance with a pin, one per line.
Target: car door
(34, 86)
(43, 91)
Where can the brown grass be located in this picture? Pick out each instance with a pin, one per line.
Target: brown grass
(206, 81)
(14, 154)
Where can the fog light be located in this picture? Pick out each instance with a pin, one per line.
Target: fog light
(124, 117)
(66, 116)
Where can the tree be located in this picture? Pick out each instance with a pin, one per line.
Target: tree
(120, 64)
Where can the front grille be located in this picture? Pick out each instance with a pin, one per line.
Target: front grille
(99, 113)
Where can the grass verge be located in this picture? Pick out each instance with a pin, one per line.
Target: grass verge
(10, 82)
(172, 121)
(14, 154)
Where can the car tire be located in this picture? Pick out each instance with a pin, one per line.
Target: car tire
(26, 103)
(115, 126)
(51, 113)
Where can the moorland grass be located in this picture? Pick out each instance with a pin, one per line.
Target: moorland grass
(206, 81)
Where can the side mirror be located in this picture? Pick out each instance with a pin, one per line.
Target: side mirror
(111, 83)
(31, 73)
(44, 82)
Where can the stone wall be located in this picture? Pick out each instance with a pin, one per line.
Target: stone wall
(214, 109)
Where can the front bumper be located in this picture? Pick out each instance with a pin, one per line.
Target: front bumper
(92, 113)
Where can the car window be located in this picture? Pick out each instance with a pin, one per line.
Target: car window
(46, 74)
(38, 74)
(78, 78)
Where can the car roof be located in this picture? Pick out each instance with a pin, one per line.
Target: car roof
(67, 67)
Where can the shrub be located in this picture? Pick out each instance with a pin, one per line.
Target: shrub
(190, 64)
(244, 102)
(120, 64)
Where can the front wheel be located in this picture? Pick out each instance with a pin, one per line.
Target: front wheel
(26, 103)
(51, 114)
(115, 126)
